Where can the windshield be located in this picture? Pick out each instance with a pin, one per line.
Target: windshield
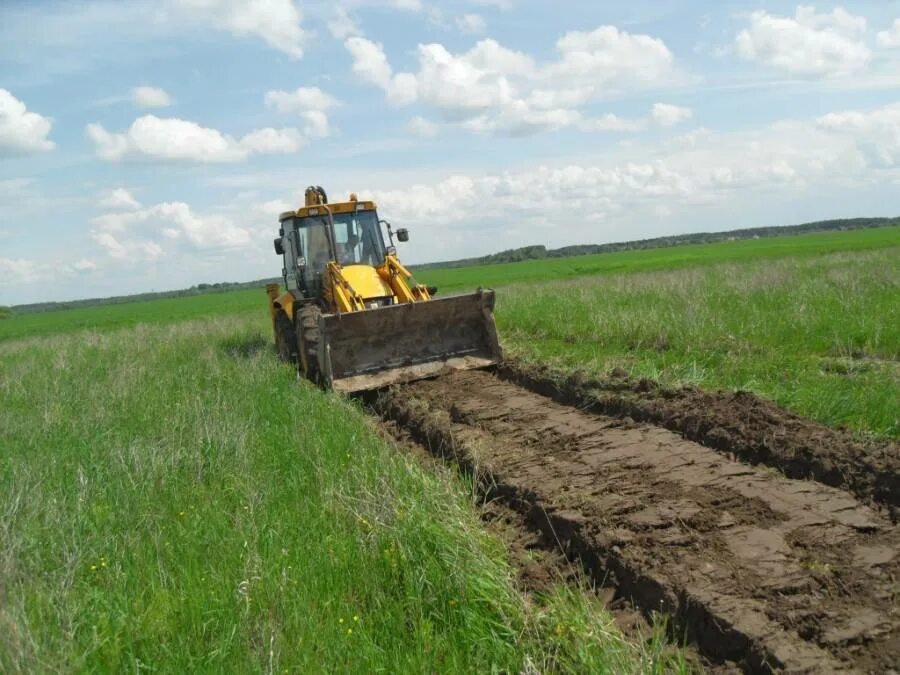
(358, 238)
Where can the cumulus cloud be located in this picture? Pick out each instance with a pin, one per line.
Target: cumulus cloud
(21, 131)
(342, 25)
(371, 65)
(874, 133)
(17, 271)
(300, 100)
(150, 97)
(891, 37)
(118, 198)
(308, 103)
(177, 140)
(472, 24)
(277, 22)
(148, 233)
(825, 45)
(626, 188)
(668, 115)
(493, 89)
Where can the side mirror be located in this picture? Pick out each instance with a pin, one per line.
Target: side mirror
(279, 249)
(402, 234)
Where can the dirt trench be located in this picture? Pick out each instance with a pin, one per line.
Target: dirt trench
(752, 428)
(757, 569)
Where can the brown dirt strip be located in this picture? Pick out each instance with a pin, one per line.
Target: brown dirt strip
(538, 559)
(754, 568)
(750, 427)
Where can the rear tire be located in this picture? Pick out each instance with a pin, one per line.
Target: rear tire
(308, 331)
(285, 338)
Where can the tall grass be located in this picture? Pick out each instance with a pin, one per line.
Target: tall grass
(818, 335)
(174, 499)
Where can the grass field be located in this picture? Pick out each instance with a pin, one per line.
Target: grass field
(820, 335)
(173, 499)
(663, 259)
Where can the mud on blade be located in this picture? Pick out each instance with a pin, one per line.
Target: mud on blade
(378, 347)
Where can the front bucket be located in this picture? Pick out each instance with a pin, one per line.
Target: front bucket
(377, 347)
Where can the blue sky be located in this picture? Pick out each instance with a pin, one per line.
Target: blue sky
(151, 145)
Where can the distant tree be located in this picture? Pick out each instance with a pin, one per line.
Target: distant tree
(5, 312)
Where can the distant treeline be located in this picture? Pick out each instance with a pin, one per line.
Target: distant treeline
(512, 255)
(539, 251)
(199, 289)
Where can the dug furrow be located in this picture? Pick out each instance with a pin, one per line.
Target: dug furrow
(754, 568)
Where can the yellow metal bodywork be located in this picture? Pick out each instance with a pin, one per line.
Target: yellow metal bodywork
(398, 278)
(319, 210)
(285, 301)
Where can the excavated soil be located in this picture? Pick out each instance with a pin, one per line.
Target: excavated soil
(754, 568)
(741, 423)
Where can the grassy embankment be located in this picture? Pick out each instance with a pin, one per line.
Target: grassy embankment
(173, 499)
(811, 322)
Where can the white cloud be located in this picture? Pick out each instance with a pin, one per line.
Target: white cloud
(21, 131)
(308, 103)
(610, 122)
(828, 45)
(150, 97)
(84, 265)
(875, 133)
(371, 65)
(118, 198)
(17, 271)
(177, 140)
(419, 126)
(611, 59)
(633, 186)
(149, 233)
(342, 24)
(493, 89)
(300, 100)
(472, 24)
(278, 22)
(270, 141)
(668, 115)
(891, 37)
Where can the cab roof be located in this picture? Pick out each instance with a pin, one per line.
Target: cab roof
(318, 209)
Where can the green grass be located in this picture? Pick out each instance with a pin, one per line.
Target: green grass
(651, 260)
(820, 335)
(163, 311)
(173, 499)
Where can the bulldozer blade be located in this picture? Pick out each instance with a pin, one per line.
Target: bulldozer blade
(399, 343)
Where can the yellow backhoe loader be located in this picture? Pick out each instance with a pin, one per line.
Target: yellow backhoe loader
(353, 318)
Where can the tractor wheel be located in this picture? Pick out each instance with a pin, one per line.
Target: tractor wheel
(308, 330)
(285, 338)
